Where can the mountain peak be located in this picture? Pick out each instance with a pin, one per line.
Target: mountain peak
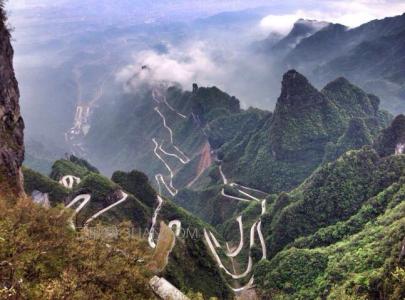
(296, 90)
(313, 24)
(302, 29)
(351, 98)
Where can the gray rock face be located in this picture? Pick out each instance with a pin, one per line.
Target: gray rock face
(11, 122)
(41, 198)
(165, 290)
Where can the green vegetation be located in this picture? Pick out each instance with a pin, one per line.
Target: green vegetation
(339, 235)
(42, 258)
(65, 167)
(356, 136)
(36, 181)
(371, 209)
(333, 193)
(98, 186)
(276, 152)
(367, 265)
(225, 128)
(211, 103)
(136, 183)
(190, 256)
(208, 204)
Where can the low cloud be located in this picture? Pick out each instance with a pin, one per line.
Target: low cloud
(349, 13)
(222, 58)
(184, 65)
(240, 73)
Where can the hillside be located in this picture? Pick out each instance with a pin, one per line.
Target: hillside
(140, 207)
(340, 234)
(176, 136)
(370, 55)
(189, 194)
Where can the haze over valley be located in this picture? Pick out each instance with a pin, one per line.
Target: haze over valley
(202, 149)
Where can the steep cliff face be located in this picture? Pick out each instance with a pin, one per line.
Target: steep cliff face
(11, 122)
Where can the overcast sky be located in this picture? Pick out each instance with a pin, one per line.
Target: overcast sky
(282, 13)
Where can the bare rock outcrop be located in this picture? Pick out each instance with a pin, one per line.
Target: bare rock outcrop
(11, 122)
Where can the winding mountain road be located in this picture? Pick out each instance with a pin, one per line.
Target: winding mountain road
(124, 198)
(151, 235)
(69, 180)
(159, 98)
(177, 224)
(84, 198)
(183, 161)
(172, 190)
(246, 194)
(182, 157)
(209, 237)
(224, 179)
(219, 262)
(165, 124)
(256, 227)
(250, 189)
(262, 242)
(172, 109)
(233, 197)
(247, 286)
(237, 250)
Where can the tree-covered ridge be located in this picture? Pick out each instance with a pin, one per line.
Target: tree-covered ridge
(339, 235)
(189, 254)
(278, 151)
(34, 181)
(332, 194)
(371, 56)
(366, 265)
(356, 135)
(270, 151)
(211, 103)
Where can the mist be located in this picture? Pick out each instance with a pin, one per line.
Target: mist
(215, 61)
(72, 52)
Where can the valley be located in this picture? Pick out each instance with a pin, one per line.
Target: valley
(180, 155)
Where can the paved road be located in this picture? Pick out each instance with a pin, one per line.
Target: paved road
(123, 199)
(68, 181)
(151, 235)
(172, 190)
(84, 199)
(213, 243)
(177, 224)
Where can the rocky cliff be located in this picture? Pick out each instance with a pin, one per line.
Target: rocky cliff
(11, 123)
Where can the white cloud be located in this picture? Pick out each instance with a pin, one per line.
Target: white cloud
(281, 24)
(210, 63)
(349, 13)
(181, 65)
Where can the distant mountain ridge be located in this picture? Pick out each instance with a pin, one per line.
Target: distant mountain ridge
(305, 202)
(302, 29)
(371, 56)
(272, 152)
